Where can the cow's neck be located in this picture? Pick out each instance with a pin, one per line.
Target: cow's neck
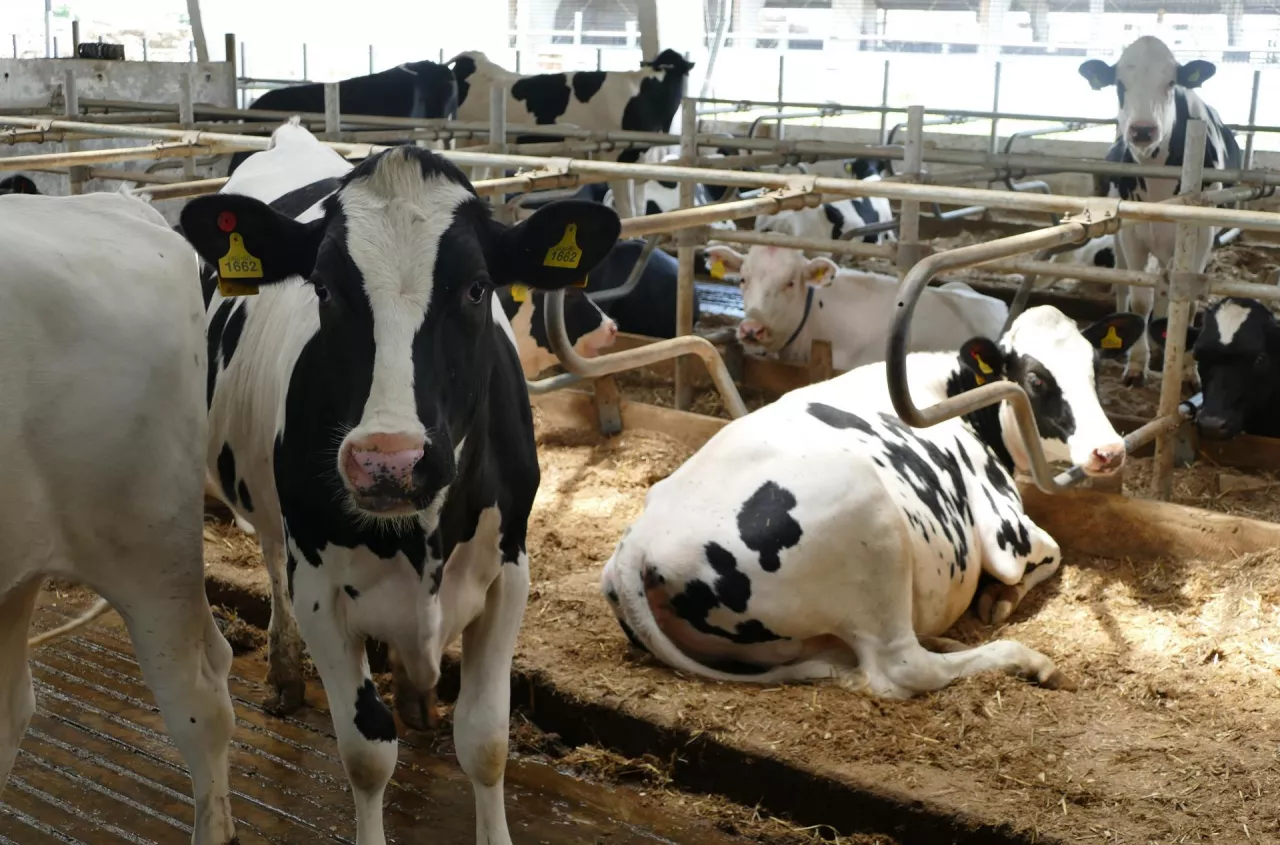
(984, 422)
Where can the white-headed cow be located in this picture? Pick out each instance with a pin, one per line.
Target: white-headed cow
(789, 301)
(369, 417)
(1156, 99)
(822, 537)
(102, 353)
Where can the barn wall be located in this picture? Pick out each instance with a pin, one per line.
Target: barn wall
(40, 80)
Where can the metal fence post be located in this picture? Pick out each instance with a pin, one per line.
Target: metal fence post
(782, 76)
(332, 112)
(241, 94)
(75, 37)
(187, 114)
(995, 111)
(371, 59)
(909, 212)
(304, 61)
(884, 102)
(498, 144)
(76, 175)
(1182, 291)
(685, 252)
(229, 56)
(1253, 120)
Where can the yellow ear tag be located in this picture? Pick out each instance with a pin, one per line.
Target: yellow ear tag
(982, 365)
(519, 292)
(717, 269)
(238, 264)
(1194, 77)
(566, 253)
(1111, 340)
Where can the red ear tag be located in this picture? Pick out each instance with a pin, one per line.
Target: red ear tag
(226, 221)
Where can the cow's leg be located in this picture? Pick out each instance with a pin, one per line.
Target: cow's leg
(284, 642)
(185, 661)
(17, 699)
(417, 708)
(624, 197)
(902, 667)
(365, 728)
(481, 718)
(1136, 253)
(998, 601)
(1016, 574)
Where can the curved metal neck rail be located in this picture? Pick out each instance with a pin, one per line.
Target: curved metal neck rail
(642, 357)
(989, 394)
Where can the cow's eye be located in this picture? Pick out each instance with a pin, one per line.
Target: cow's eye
(475, 293)
(322, 292)
(790, 285)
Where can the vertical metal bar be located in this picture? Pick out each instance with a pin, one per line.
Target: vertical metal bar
(187, 115)
(71, 108)
(909, 214)
(191, 51)
(577, 28)
(1253, 115)
(1184, 255)
(599, 58)
(304, 61)
(49, 45)
(995, 111)
(332, 112)
(884, 102)
(370, 58)
(146, 56)
(782, 76)
(498, 142)
(685, 251)
(15, 45)
(55, 47)
(75, 37)
(517, 61)
(243, 95)
(229, 56)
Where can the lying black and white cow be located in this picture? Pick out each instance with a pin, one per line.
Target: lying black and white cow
(18, 184)
(644, 100)
(1237, 357)
(370, 419)
(820, 533)
(414, 89)
(789, 301)
(102, 426)
(589, 329)
(1157, 99)
(832, 220)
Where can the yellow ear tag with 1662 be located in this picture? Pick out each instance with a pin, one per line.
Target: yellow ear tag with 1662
(565, 254)
(1111, 340)
(238, 264)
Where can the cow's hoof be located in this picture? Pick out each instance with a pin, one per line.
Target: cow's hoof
(1059, 681)
(1133, 380)
(288, 697)
(417, 710)
(997, 603)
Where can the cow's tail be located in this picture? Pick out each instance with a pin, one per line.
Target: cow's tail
(625, 576)
(101, 607)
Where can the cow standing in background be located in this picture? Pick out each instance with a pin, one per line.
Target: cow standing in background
(18, 184)
(1156, 100)
(644, 100)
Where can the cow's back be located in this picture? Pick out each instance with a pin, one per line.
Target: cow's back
(102, 361)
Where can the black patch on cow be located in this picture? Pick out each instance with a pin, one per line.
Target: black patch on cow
(867, 212)
(984, 422)
(373, 718)
(546, 95)
(463, 68)
(246, 502)
(351, 591)
(231, 333)
(586, 83)
(1053, 413)
(631, 636)
(227, 472)
(208, 278)
(1241, 378)
(290, 567)
(931, 472)
(214, 338)
(652, 207)
(315, 608)
(299, 200)
(766, 526)
(835, 217)
(437, 575)
(732, 590)
(1105, 257)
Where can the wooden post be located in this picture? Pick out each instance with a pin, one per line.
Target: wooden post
(229, 40)
(685, 253)
(71, 108)
(332, 112)
(187, 113)
(820, 368)
(608, 402)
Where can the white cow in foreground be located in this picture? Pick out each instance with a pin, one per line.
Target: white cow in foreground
(790, 301)
(820, 533)
(103, 426)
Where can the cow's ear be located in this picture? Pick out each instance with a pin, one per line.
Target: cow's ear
(1115, 333)
(1158, 330)
(983, 358)
(1098, 73)
(556, 246)
(250, 243)
(1194, 73)
(820, 271)
(722, 260)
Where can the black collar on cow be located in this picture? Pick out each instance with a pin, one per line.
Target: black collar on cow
(808, 309)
